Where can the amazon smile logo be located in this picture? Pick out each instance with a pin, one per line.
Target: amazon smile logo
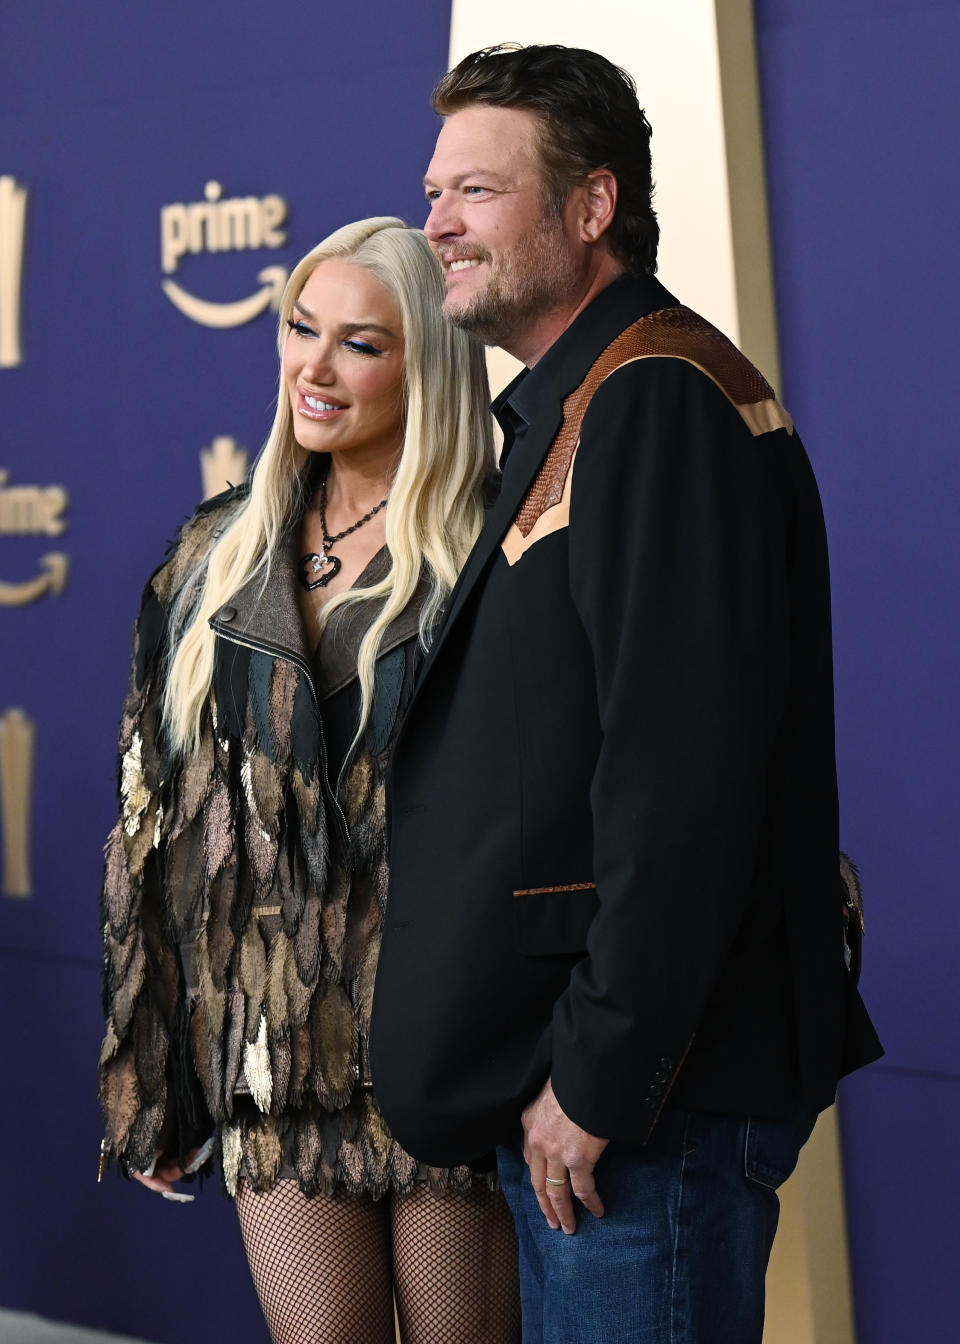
(34, 510)
(223, 224)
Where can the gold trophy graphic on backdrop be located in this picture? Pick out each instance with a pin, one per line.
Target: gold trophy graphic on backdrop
(13, 216)
(224, 463)
(17, 741)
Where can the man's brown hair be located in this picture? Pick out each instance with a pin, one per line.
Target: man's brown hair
(588, 117)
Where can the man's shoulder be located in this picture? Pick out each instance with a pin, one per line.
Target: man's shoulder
(678, 333)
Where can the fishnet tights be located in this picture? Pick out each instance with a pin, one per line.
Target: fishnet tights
(326, 1269)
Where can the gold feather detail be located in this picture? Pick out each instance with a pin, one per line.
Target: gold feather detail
(142, 1143)
(127, 992)
(252, 974)
(283, 687)
(403, 1168)
(256, 1067)
(307, 944)
(300, 1063)
(363, 985)
(333, 1045)
(281, 1068)
(246, 775)
(276, 991)
(195, 780)
(120, 1097)
(262, 854)
(111, 1043)
(377, 1142)
(298, 994)
(264, 1153)
(233, 1046)
(308, 796)
(232, 1153)
(308, 1152)
(117, 890)
(134, 793)
(264, 790)
(218, 827)
(213, 1000)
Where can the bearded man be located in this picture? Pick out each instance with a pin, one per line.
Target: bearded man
(614, 948)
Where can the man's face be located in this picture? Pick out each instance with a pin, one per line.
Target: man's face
(507, 258)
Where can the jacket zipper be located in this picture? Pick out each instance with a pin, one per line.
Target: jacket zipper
(288, 656)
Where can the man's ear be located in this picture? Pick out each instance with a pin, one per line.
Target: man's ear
(599, 204)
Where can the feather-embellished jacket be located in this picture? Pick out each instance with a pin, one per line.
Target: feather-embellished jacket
(209, 850)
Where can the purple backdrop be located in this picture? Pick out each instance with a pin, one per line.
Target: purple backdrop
(862, 105)
(109, 112)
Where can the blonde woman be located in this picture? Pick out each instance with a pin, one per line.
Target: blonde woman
(246, 879)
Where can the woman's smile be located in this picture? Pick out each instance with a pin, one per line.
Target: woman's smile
(318, 408)
(343, 364)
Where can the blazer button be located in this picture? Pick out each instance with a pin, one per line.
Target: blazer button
(227, 613)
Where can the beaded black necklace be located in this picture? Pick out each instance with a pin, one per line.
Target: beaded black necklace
(326, 566)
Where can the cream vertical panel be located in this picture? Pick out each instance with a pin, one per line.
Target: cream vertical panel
(670, 48)
(808, 1283)
(694, 62)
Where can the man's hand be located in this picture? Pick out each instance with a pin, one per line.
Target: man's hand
(561, 1157)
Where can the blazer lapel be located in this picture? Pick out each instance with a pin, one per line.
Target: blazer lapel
(524, 463)
(566, 364)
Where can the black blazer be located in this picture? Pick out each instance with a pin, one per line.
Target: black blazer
(613, 799)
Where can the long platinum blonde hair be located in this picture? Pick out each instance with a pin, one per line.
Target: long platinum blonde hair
(435, 510)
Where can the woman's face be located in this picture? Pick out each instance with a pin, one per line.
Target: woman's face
(343, 365)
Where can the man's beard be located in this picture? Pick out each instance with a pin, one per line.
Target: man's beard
(532, 279)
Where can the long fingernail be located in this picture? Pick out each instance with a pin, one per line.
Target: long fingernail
(177, 1197)
(200, 1158)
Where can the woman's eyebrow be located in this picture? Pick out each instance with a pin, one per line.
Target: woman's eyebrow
(348, 328)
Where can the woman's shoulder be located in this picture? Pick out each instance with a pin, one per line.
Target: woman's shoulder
(181, 565)
(194, 539)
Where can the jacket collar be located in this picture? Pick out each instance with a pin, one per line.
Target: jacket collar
(337, 666)
(265, 615)
(536, 395)
(265, 612)
(535, 392)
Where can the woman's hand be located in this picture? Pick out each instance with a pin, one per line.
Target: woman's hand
(165, 1170)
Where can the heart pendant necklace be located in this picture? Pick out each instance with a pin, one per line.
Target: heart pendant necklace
(327, 566)
(316, 571)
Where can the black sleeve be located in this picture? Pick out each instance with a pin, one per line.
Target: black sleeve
(677, 571)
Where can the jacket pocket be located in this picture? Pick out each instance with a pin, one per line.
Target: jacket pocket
(552, 921)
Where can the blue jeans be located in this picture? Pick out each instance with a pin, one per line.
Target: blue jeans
(681, 1254)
